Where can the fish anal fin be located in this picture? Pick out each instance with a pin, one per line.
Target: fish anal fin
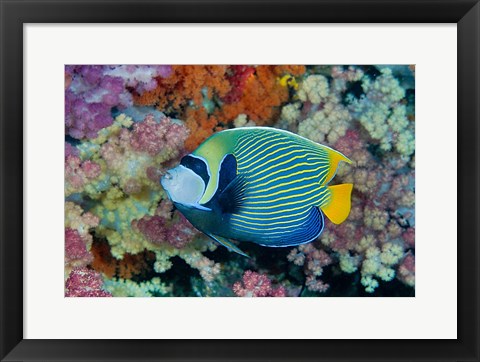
(228, 244)
(303, 233)
(231, 199)
(338, 207)
(334, 158)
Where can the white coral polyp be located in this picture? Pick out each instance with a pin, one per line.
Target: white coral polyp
(314, 89)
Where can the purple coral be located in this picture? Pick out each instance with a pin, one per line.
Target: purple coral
(93, 90)
(84, 282)
(70, 150)
(257, 285)
(141, 78)
(89, 99)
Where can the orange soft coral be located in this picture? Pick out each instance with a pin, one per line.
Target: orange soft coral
(185, 84)
(201, 126)
(138, 265)
(261, 99)
(129, 267)
(103, 260)
(294, 70)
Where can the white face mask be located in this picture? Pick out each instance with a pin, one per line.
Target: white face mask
(183, 185)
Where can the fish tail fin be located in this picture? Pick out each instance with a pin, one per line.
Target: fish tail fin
(338, 206)
(334, 158)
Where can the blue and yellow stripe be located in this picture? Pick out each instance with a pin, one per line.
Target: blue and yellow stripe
(284, 187)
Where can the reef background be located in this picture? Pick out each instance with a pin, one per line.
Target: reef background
(126, 125)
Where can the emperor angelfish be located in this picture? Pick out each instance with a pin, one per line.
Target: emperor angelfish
(261, 185)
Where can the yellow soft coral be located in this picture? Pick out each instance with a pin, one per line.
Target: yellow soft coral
(379, 264)
(391, 254)
(375, 218)
(314, 88)
(348, 263)
(117, 211)
(327, 124)
(384, 116)
(127, 288)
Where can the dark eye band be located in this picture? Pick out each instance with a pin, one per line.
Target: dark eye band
(196, 165)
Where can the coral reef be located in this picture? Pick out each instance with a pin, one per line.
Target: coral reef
(125, 125)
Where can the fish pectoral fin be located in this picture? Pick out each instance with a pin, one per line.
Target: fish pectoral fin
(231, 199)
(338, 207)
(228, 172)
(228, 244)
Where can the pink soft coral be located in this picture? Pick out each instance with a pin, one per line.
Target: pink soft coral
(152, 137)
(406, 270)
(165, 227)
(256, 285)
(76, 252)
(84, 282)
(313, 260)
(78, 173)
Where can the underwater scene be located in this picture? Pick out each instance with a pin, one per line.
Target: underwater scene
(239, 181)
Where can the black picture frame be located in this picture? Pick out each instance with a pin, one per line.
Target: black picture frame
(16, 13)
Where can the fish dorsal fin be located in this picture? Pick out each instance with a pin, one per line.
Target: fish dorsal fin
(228, 244)
(232, 197)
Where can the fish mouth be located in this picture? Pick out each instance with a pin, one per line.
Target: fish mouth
(168, 176)
(168, 180)
(164, 182)
(165, 179)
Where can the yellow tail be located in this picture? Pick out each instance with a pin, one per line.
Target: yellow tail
(338, 207)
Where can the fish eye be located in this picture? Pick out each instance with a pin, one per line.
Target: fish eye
(197, 165)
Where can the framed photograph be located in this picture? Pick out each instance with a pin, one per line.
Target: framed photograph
(240, 181)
